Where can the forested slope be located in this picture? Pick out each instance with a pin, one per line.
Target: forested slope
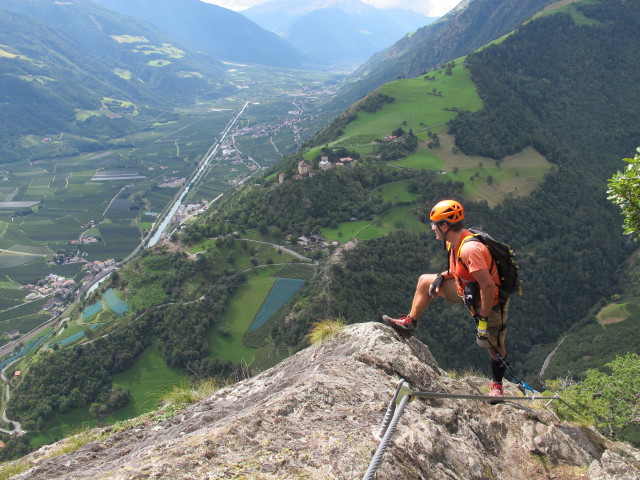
(569, 91)
(459, 32)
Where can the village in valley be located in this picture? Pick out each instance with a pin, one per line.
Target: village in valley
(54, 292)
(61, 289)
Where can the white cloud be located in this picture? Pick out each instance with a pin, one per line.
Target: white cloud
(236, 4)
(430, 8)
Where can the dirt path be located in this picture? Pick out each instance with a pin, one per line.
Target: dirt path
(547, 360)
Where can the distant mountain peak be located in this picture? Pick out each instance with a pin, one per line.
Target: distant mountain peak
(336, 31)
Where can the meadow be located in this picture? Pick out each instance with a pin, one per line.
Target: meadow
(424, 105)
(591, 345)
(619, 312)
(420, 104)
(148, 381)
(243, 336)
(225, 340)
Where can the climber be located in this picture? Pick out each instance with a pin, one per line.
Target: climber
(472, 279)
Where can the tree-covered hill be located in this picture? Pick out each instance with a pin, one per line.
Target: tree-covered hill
(217, 32)
(569, 90)
(466, 28)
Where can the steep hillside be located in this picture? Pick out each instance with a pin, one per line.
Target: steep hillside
(59, 59)
(612, 326)
(464, 29)
(336, 32)
(313, 416)
(215, 31)
(547, 88)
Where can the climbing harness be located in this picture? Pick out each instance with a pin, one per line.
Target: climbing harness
(403, 395)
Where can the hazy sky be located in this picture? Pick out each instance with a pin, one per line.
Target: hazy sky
(430, 8)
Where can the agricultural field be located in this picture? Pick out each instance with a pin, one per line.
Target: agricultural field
(17, 312)
(395, 192)
(281, 291)
(59, 196)
(226, 342)
(244, 334)
(485, 179)
(25, 353)
(37, 270)
(72, 197)
(618, 312)
(569, 7)
(92, 206)
(398, 217)
(219, 178)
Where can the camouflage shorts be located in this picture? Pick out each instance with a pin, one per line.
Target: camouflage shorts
(497, 325)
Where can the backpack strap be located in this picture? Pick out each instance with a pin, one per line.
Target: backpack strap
(458, 256)
(464, 240)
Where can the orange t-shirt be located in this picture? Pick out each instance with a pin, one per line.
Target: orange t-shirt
(475, 256)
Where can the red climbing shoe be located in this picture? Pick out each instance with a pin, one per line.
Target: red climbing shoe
(496, 391)
(405, 325)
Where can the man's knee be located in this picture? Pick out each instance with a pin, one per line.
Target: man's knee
(425, 280)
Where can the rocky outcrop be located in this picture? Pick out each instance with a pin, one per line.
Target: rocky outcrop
(312, 416)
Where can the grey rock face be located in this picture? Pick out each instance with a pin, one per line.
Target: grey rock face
(312, 417)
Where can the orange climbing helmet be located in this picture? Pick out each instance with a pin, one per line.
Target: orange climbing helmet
(449, 211)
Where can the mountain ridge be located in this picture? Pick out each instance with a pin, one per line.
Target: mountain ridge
(75, 57)
(313, 415)
(467, 27)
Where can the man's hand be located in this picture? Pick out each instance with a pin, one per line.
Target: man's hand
(481, 327)
(437, 283)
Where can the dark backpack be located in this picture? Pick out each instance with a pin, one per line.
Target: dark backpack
(504, 259)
